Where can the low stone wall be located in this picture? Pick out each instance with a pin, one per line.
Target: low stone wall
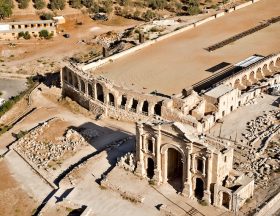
(243, 5)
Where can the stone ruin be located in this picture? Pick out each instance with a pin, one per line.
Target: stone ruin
(41, 153)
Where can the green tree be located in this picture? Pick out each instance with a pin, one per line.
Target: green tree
(46, 16)
(23, 4)
(39, 4)
(6, 8)
(57, 4)
(75, 4)
(45, 34)
(88, 3)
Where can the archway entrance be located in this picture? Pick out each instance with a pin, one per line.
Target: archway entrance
(199, 188)
(225, 200)
(99, 92)
(150, 168)
(175, 169)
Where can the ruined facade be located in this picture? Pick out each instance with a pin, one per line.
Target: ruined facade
(171, 145)
(198, 166)
(200, 110)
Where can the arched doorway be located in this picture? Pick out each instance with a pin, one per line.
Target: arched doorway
(199, 188)
(83, 87)
(90, 90)
(237, 84)
(277, 63)
(145, 107)
(157, 108)
(111, 99)
(150, 168)
(225, 200)
(175, 169)
(99, 92)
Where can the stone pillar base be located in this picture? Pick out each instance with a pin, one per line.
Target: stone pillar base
(157, 177)
(139, 171)
(207, 196)
(187, 191)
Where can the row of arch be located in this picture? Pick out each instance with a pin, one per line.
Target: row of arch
(96, 91)
(253, 76)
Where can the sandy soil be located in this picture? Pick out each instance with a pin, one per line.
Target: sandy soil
(182, 60)
(13, 200)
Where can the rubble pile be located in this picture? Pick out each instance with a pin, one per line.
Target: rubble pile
(261, 127)
(41, 153)
(107, 38)
(127, 162)
(262, 159)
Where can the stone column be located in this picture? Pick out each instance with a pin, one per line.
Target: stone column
(207, 192)
(187, 191)
(151, 110)
(139, 107)
(158, 167)
(140, 137)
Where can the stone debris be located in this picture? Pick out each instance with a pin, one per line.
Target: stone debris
(127, 162)
(41, 153)
(263, 156)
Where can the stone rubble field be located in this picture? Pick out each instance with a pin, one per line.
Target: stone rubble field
(43, 153)
(262, 158)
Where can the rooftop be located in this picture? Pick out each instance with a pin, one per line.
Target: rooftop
(219, 91)
(180, 61)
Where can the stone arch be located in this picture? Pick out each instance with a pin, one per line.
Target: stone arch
(245, 81)
(134, 105)
(82, 86)
(266, 70)
(252, 77)
(259, 74)
(145, 107)
(199, 186)
(99, 92)
(75, 81)
(150, 168)
(123, 101)
(157, 108)
(225, 198)
(273, 67)
(90, 91)
(277, 62)
(237, 84)
(111, 99)
(174, 166)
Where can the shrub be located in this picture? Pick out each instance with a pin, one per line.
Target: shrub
(149, 15)
(21, 134)
(57, 4)
(46, 16)
(22, 4)
(6, 8)
(75, 4)
(24, 35)
(45, 34)
(39, 4)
